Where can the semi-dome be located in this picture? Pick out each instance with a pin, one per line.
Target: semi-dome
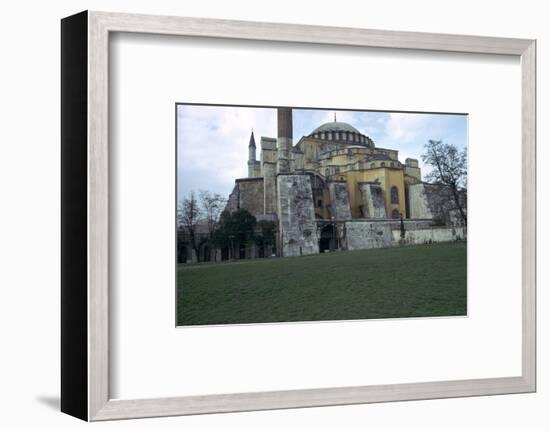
(341, 132)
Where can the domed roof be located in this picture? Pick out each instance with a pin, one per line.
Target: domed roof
(336, 126)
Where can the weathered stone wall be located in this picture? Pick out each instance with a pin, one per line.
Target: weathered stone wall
(363, 234)
(270, 188)
(297, 225)
(247, 194)
(418, 202)
(433, 234)
(339, 200)
(373, 201)
(433, 201)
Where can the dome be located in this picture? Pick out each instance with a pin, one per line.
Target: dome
(336, 126)
(341, 132)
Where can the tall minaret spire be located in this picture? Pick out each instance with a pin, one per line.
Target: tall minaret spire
(251, 155)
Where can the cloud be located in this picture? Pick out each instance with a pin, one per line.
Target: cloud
(213, 140)
(213, 144)
(403, 127)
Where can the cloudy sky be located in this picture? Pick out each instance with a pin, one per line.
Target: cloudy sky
(213, 140)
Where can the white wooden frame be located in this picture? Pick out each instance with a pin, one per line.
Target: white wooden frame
(99, 27)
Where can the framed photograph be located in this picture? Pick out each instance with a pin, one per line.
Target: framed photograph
(261, 216)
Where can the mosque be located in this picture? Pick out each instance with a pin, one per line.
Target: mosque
(335, 189)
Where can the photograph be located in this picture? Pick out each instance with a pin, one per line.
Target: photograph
(299, 214)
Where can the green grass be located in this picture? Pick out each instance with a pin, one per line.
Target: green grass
(412, 281)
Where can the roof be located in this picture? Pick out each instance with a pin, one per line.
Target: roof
(336, 126)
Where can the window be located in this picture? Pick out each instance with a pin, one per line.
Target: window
(319, 203)
(372, 165)
(395, 214)
(394, 195)
(382, 164)
(327, 172)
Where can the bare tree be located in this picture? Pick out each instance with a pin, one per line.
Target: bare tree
(212, 205)
(450, 168)
(189, 214)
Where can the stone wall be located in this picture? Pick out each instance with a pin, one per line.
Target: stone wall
(365, 234)
(297, 225)
(362, 234)
(339, 200)
(270, 188)
(247, 194)
(433, 234)
(434, 201)
(372, 197)
(418, 202)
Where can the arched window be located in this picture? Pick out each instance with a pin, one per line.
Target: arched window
(395, 214)
(394, 195)
(327, 172)
(382, 164)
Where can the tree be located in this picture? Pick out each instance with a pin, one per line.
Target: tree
(266, 237)
(189, 215)
(221, 236)
(234, 229)
(212, 205)
(449, 167)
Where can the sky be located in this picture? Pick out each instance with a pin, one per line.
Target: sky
(212, 141)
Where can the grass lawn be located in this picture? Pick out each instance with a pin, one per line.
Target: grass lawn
(411, 281)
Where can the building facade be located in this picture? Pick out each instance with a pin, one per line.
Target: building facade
(335, 189)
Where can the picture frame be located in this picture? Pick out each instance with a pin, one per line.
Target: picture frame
(85, 236)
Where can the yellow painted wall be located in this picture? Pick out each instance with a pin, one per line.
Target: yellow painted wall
(346, 161)
(387, 177)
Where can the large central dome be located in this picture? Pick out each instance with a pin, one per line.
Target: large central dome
(342, 133)
(336, 126)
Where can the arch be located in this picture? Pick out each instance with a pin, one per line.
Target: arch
(395, 214)
(394, 195)
(328, 240)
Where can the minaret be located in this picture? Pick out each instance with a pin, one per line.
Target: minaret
(251, 155)
(284, 139)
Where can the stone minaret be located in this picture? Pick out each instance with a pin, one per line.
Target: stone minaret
(251, 156)
(284, 139)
